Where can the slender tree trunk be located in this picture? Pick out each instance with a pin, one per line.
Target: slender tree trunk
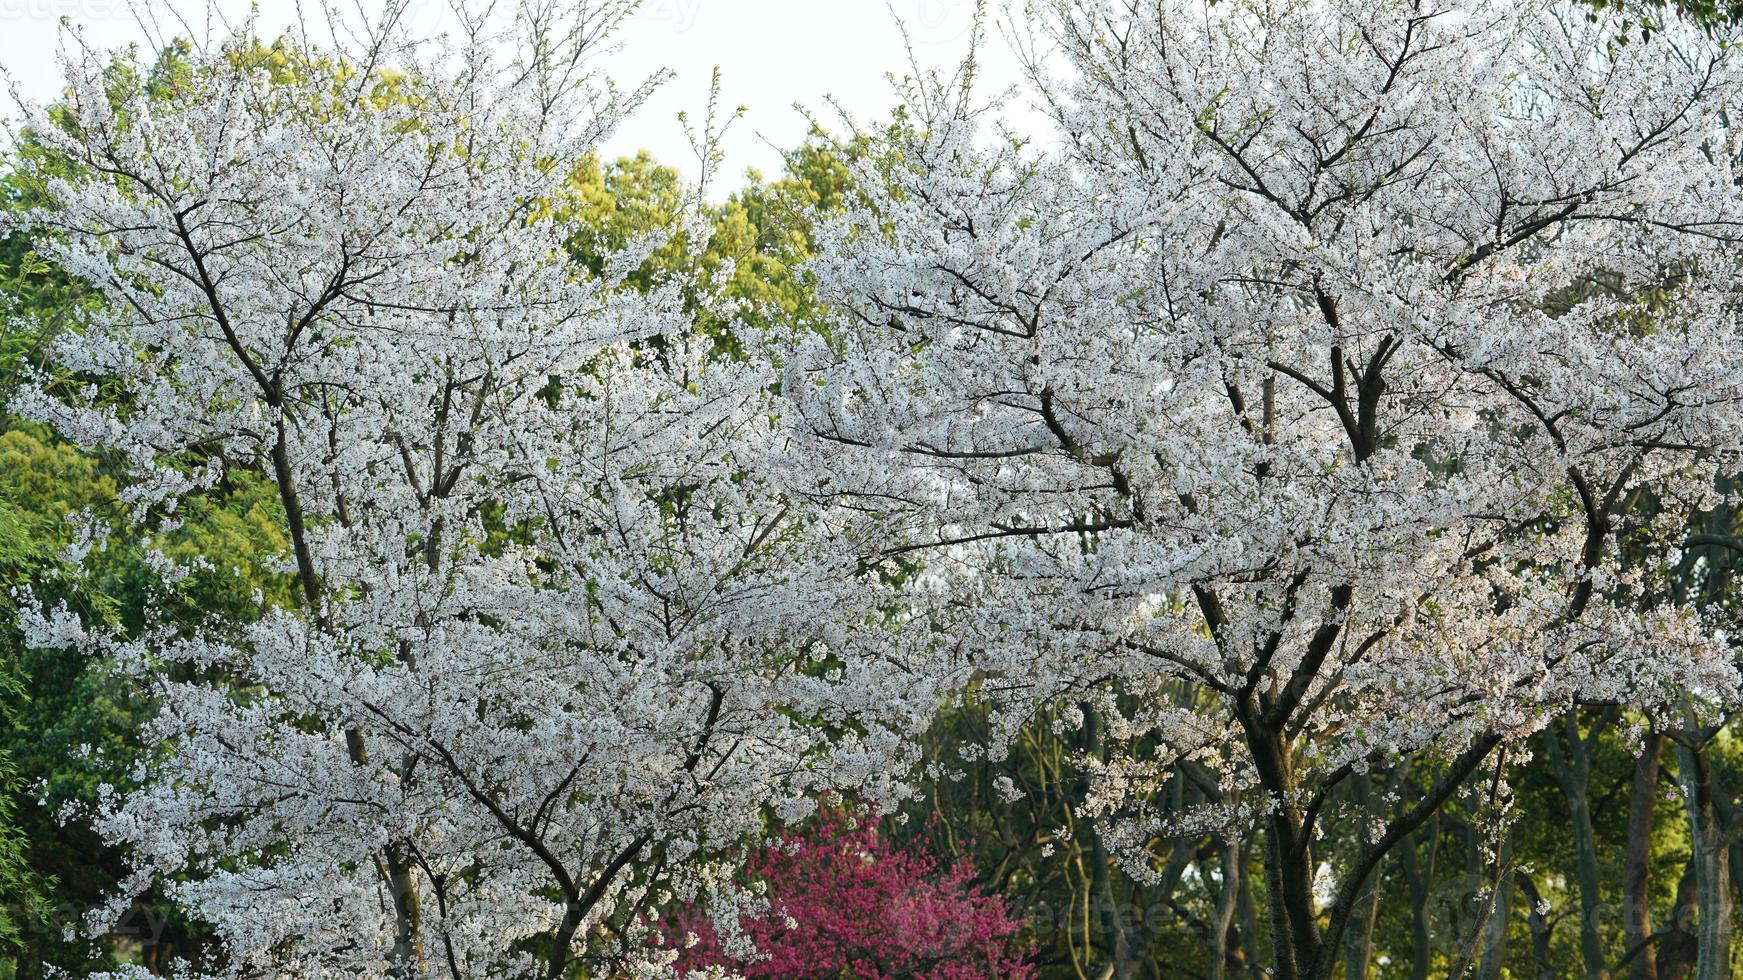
(1712, 861)
(1113, 916)
(1101, 889)
(1726, 813)
(1282, 891)
(1678, 948)
(1572, 763)
(1359, 936)
(1249, 914)
(1495, 929)
(1228, 900)
(1637, 862)
(1586, 871)
(1539, 924)
(1418, 879)
(1288, 855)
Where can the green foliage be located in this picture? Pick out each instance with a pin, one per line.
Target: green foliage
(759, 238)
(63, 724)
(1648, 15)
(765, 231)
(70, 727)
(23, 891)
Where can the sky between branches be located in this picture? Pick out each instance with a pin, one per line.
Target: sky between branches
(771, 53)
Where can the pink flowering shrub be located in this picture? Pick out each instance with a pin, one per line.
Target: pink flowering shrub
(860, 908)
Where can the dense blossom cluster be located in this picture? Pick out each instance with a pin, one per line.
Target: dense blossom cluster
(1325, 397)
(1292, 415)
(562, 635)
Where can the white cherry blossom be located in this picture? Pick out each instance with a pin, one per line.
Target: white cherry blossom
(564, 637)
(1291, 413)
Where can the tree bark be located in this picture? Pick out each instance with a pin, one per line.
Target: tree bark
(1539, 924)
(1572, 763)
(1712, 861)
(1419, 879)
(1678, 947)
(1358, 937)
(1495, 929)
(1249, 915)
(1288, 855)
(1637, 863)
(1228, 898)
(1123, 963)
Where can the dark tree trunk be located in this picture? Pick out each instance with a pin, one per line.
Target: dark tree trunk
(1637, 863)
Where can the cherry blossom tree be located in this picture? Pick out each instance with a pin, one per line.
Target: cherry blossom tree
(1284, 415)
(562, 635)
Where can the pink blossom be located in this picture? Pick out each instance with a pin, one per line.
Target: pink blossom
(860, 907)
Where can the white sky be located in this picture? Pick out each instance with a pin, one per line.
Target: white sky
(772, 53)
